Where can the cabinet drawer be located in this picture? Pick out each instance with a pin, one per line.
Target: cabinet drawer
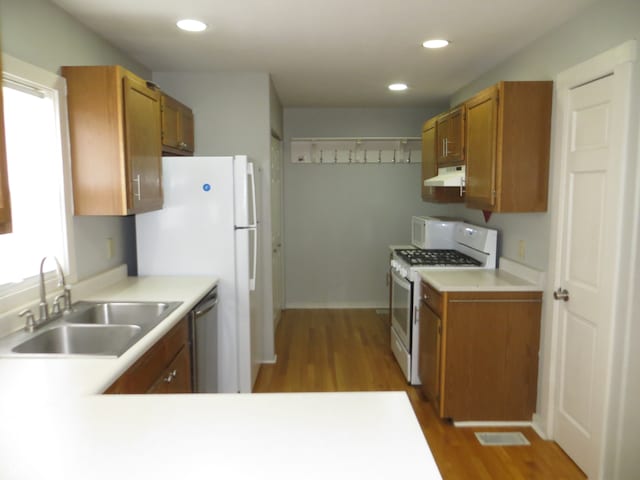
(176, 378)
(140, 377)
(431, 297)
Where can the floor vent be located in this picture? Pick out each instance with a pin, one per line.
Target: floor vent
(501, 439)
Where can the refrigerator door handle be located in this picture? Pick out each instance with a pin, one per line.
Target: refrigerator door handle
(252, 183)
(254, 270)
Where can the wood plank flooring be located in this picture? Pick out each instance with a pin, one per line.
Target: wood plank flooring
(348, 350)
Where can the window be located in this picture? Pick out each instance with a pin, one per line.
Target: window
(38, 172)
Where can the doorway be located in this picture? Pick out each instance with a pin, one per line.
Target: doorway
(585, 263)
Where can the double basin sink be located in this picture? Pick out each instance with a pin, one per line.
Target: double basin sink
(90, 329)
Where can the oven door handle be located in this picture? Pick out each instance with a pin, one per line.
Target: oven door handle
(401, 280)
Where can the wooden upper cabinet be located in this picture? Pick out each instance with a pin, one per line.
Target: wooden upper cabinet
(5, 203)
(115, 131)
(177, 127)
(430, 167)
(507, 143)
(450, 138)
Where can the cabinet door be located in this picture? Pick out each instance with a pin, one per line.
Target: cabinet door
(5, 205)
(177, 376)
(170, 121)
(177, 127)
(143, 151)
(454, 142)
(450, 138)
(429, 354)
(491, 360)
(430, 168)
(481, 145)
(429, 160)
(186, 131)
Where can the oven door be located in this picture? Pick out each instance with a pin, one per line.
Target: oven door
(401, 308)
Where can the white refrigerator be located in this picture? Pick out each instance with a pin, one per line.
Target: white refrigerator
(208, 226)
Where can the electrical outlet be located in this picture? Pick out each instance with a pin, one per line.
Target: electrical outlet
(109, 248)
(521, 250)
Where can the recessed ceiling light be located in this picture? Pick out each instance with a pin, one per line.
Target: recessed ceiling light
(435, 43)
(190, 25)
(398, 87)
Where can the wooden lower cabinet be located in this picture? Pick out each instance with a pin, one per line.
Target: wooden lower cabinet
(176, 378)
(478, 355)
(165, 368)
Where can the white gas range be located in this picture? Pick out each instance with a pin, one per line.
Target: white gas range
(445, 244)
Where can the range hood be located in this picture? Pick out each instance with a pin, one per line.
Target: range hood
(447, 177)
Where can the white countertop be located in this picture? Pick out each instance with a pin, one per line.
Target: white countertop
(503, 279)
(69, 376)
(373, 435)
(55, 425)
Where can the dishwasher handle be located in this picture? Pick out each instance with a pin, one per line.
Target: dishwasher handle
(207, 304)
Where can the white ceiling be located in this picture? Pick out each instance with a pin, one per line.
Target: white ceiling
(329, 52)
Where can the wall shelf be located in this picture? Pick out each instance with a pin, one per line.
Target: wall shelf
(362, 150)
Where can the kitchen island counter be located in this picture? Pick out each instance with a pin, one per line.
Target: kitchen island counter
(372, 435)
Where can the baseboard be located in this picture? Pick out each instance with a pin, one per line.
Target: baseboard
(491, 424)
(272, 360)
(336, 306)
(537, 424)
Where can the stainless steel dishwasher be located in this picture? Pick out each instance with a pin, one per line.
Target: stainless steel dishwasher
(204, 344)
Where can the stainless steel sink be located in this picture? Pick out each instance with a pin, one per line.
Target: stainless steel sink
(120, 313)
(92, 328)
(82, 340)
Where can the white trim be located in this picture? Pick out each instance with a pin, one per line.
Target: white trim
(537, 425)
(614, 61)
(23, 72)
(271, 361)
(332, 306)
(491, 424)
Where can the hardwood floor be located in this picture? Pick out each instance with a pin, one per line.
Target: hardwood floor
(348, 350)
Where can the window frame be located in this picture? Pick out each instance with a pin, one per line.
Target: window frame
(15, 295)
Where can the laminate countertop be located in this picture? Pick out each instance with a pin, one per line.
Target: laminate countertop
(510, 277)
(54, 423)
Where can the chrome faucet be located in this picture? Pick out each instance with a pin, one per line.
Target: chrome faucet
(46, 316)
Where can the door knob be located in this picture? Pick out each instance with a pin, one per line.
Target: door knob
(561, 294)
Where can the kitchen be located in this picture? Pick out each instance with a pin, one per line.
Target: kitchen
(250, 94)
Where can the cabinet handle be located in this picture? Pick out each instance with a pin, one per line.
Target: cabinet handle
(446, 147)
(137, 194)
(462, 185)
(169, 378)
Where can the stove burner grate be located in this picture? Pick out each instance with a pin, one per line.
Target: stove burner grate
(448, 258)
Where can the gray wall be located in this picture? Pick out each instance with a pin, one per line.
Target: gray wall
(600, 27)
(40, 33)
(340, 219)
